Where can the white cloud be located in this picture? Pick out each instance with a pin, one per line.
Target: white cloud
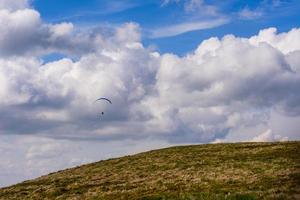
(200, 6)
(194, 6)
(166, 2)
(181, 28)
(61, 30)
(16, 22)
(224, 84)
(64, 91)
(284, 42)
(248, 14)
(227, 83)
(264, 136)
(13, 4)
(22, 32)
(195, 15)
(268, 136)
(39, 155)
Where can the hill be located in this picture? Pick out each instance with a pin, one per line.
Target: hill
(211, 171)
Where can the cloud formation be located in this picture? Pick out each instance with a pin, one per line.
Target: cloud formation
(191, 6)
(24, 34)
(184, 27)
(225, 83)
(194, 15)
(229, 82)
(13, 5)
(268, 136)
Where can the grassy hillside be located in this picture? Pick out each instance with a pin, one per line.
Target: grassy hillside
(213, 171)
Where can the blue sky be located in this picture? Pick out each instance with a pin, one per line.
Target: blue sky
(239, 17)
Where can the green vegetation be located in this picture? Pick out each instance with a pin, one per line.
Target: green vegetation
(242, 171)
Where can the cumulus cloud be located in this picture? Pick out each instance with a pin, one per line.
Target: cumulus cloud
(22, 32)
(268, 136)
(224, 84)
(13, 5)
(46, 96)
(265, 136)
(285, 42)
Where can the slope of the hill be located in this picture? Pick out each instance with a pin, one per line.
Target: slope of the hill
(213, 171)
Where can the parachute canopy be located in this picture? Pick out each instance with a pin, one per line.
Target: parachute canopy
(104, 99)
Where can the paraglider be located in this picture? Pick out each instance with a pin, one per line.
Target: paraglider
(104, 99)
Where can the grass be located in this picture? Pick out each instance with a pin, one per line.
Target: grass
(243, 171)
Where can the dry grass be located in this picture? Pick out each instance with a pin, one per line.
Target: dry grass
(214, 171)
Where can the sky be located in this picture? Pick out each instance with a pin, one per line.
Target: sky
(177, 72)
